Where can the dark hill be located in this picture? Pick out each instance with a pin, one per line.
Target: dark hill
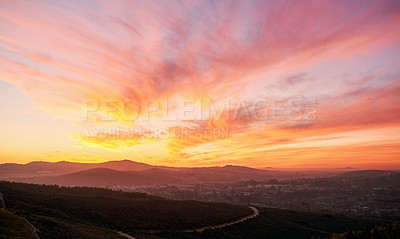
(80, 212)
(14, 227)
(365, 173)
(52, 209)
(102, 177)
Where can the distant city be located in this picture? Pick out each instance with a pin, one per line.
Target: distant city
(366, 193)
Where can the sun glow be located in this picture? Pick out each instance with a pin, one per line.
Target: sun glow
(201, 83)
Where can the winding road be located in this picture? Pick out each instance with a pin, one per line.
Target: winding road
(33, 228)
(200, 229)
(126, 235)
(3, 206)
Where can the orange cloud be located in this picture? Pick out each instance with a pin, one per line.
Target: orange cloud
(129, 57)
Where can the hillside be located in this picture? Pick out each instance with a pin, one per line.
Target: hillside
(103, 177)
(126, 173)
(14, 227)
(39, 168)
(44, 172)
(50, 207)
(280, 224)
(80, 212)
(379, 232)
(48, 169)
(365, 173)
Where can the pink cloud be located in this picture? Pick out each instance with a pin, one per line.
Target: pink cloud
(60, 53)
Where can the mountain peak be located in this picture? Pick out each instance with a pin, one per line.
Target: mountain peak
(234, 166)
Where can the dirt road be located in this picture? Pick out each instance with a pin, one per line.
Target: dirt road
(126, 235)
(200, 229)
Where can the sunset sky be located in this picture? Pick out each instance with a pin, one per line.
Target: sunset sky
(296, 84)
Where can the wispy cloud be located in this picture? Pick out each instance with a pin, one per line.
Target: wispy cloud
(63, 53)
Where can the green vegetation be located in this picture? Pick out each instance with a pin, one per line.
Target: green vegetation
(14, 227)
(279, 223)
(391, 231)
(82, 212)
(61, 212)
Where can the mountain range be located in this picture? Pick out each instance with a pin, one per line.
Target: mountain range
(131, 173)
(125, 173)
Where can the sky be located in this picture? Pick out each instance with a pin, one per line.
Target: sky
(284, 84)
